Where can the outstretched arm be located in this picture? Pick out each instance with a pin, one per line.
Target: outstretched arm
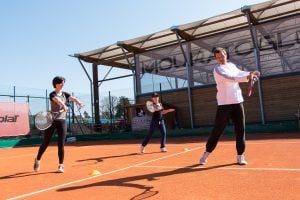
(77, 101)
(168, 110)
(222, 75)
(59, 102)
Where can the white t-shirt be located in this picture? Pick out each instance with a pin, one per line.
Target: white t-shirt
(227, 78)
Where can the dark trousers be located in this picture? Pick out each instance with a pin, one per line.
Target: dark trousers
(156, 124)
(61, 127)
(235, 112)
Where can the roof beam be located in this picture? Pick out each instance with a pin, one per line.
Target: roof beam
(109, 79)
(130, 48)
(247, 9)
(184, 35)
(105, 62)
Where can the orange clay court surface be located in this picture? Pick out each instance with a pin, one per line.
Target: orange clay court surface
(273, 171)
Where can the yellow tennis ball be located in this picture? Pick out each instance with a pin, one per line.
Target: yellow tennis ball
(94, 172)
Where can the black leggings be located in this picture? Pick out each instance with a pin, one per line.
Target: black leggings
(161, 125)
(224, 113)
(61, 127)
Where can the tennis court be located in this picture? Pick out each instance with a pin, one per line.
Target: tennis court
(273, 171)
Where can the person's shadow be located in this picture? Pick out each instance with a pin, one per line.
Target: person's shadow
(25, 174)
(96, 160)
(147, 190)
(90, 161)
(100, 159)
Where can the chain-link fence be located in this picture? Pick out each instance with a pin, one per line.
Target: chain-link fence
(112, 108)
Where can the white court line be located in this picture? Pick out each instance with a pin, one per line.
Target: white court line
(108, 147)
(107, 173)
(224, 168)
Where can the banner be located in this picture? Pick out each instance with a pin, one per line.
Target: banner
(140, 123)
(14, 118)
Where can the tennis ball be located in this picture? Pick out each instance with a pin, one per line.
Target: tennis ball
(94, 172)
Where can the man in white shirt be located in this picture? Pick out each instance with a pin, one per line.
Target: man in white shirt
(230, 104)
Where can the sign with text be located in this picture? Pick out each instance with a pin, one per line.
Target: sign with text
(14, 118)
(140, 123)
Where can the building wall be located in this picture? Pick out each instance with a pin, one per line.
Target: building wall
(281, 100)
(281, 97)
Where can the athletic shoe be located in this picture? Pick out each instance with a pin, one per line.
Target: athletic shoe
(36, 165)
(203, 159)
(61, 168)
(241, 160)
(163, 149)
(142, 149)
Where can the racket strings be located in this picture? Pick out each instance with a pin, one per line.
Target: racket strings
(43, 120)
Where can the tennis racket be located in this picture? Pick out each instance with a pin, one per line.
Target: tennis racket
(251, 84)
(150, 106)
(44, 120)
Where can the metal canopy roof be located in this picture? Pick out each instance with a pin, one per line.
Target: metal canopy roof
(120, 54)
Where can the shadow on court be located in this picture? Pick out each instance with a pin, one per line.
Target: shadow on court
(25, 174)
(101, 159)
(107, 157)
(148, 190)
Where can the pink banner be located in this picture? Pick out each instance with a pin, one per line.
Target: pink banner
(14, 118)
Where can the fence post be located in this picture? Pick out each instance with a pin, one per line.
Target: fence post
(160, 91)
(47, 105)
(124, 113)
(14, 93)
(110, 111)
(298, 118)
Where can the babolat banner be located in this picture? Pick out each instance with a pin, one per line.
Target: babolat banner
(14, 118)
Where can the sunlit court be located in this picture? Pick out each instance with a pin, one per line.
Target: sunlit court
(116, 170)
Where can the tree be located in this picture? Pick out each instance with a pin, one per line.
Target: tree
(120, 107)
(86, 115)
(108, 107)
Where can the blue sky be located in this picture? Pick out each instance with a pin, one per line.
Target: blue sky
(37, 36)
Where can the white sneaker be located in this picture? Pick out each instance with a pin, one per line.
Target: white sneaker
(61, 168)
(203, 159)
(142, 149)
(163, 149)
(36, 165)
(241, 160)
